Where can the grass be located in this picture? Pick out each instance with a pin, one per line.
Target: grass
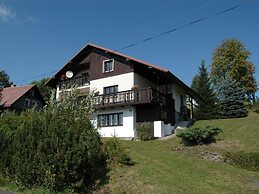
(239, 134)
(160, 169)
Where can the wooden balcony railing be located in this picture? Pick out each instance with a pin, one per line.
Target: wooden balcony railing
(133, 97)
(74, 82)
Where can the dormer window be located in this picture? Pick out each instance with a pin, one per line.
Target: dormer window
(108, 65)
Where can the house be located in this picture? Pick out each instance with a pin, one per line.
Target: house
(20, 98)
(129, 91)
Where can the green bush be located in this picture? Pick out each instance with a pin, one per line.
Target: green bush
(144, 132)
(56, 148)
(115, 152)
(199, 135)
(248, 161)
(256, 107)
(9, 122)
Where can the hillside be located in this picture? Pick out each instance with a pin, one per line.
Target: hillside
(160, 169)
(168, 167)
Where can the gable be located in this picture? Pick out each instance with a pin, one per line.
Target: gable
(96, 66)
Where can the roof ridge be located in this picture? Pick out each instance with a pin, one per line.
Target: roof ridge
(126, 56)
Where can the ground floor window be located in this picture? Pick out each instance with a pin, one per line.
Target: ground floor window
(113, 119)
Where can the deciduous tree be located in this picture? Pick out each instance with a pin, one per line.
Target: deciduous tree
(45, 90)
(231, 60)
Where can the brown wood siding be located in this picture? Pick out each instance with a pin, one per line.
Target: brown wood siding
(20, 103)
(96, 66)
(150, 113)
(147, 113)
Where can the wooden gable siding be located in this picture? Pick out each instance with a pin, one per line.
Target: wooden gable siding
(20, 103)
(96, 59)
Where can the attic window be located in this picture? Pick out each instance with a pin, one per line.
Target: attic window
(31, 93)
(108, 65)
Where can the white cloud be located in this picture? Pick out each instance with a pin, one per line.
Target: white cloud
(31, 19)
(6, 13)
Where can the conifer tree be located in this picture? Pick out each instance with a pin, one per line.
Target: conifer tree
(231, 97)
(207, 108)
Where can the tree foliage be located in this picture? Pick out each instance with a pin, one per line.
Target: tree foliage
(231, 97)
(57, 148)
(231, 60)
(207, 108)
(44, 90)
(4, 80)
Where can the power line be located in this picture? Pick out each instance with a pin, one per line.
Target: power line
(180, 27)
(155, 36)
(184, 14)
(34, 77)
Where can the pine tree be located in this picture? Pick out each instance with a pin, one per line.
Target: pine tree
(207, 108)
(231, 97)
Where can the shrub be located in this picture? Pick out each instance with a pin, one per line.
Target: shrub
(144, 132)
(115, 152)
(256, 108)
(248, 161)
(199, 135)
(9, 122)
(57, 148)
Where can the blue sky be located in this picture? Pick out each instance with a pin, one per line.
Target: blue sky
(38, 37)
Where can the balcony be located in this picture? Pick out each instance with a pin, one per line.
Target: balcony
(133, 97)
(74, 82)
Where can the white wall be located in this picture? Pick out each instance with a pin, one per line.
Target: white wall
(129, 121)
(124, 82)
(177, 92)
(161, 129)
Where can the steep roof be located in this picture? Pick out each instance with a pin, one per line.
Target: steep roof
(10, 95)
(164, 71)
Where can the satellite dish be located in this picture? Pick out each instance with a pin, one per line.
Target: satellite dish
(69, 74)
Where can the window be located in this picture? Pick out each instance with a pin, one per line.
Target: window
(34, 103)
(108, 65)
(182, 100)
(27, 102)
(32, 93)
(114, 119)
(110, 89)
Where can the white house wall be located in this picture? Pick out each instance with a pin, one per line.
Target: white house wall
(161, 129)
(129, 121)
(177, 91)
(124, 82)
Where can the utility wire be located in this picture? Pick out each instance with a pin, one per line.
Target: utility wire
(180, 27)
(154, 37)
(184, 14)
(34, 77)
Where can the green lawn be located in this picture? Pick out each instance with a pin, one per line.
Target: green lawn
(160, 169)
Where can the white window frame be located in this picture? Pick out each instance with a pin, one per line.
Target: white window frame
(104, 65)
(110, 120)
